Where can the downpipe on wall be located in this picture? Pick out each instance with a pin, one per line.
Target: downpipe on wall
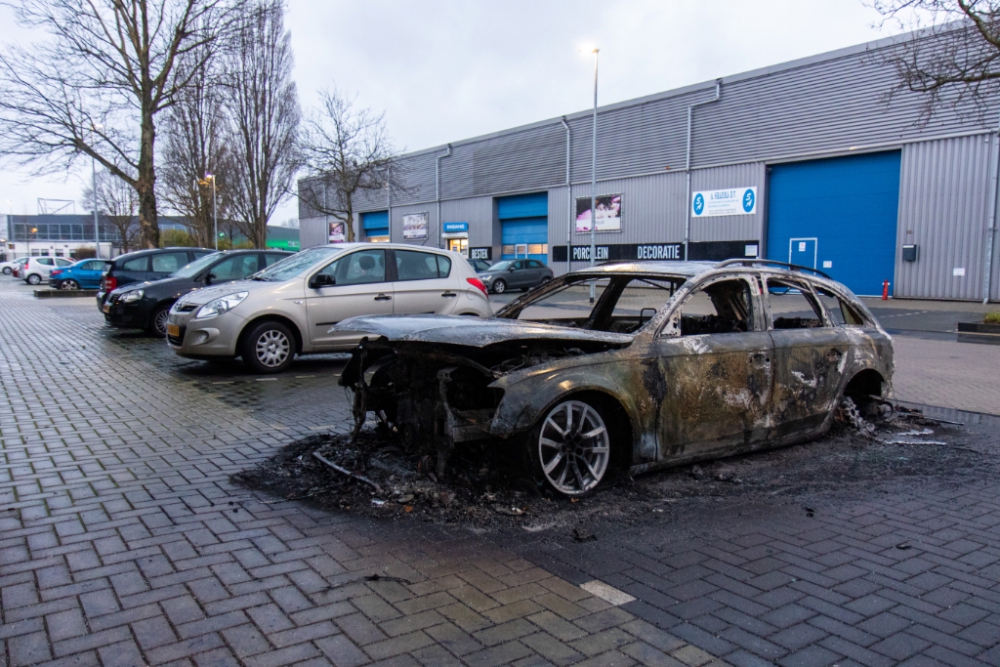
(991, 230)
(687, 163)
(569, 197)
(437, 189)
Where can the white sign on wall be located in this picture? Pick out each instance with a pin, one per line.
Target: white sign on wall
(735, 201)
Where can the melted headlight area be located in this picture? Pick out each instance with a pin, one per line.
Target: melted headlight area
(430, 398)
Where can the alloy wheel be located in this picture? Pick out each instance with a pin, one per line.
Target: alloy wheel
(574, 448)
(273, 347)
(499, 286)
(160, 321)
(69, 284)
(34, 279)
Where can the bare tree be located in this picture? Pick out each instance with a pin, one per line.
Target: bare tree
(118, 202)
(195, 154)
(264, 117)
(347, 151)
(97, 84)
(953, 60)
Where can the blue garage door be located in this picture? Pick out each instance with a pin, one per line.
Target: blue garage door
(376, 225)
(837, 215)
(524, 226)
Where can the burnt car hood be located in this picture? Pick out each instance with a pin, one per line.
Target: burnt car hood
(470, 331)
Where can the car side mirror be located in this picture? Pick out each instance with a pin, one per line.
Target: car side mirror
(511, 270)
(209, 278)
(322, 280)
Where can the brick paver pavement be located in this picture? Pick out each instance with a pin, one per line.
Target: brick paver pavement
(122, 543)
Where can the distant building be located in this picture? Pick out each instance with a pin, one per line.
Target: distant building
(283, 238)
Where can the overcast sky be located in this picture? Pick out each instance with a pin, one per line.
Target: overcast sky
(449, 70)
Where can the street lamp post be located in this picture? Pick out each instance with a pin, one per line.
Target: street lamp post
(593, 182)
(93, 177)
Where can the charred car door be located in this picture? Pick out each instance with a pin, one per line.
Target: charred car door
(714, 357)
(809, 356)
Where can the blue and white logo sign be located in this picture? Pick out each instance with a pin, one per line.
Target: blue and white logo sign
(734, 201)
(455, 227)
(699, 203)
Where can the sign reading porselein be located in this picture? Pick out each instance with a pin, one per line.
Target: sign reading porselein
(714, 203)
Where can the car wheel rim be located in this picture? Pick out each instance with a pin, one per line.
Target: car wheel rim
(499, 286)
(160, 322)
(273, 348)
(34, 280)
(574, 448)
(68, 284)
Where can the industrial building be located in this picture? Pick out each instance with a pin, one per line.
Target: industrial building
(810, 162)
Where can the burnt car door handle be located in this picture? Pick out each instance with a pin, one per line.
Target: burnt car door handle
(383, 297)
(759, 359)
(449, 294)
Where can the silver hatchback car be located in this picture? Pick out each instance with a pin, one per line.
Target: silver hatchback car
(290, 307)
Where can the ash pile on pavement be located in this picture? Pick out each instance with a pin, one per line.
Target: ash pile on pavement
(487, 488)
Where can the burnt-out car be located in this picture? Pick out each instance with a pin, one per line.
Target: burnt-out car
(672, 363)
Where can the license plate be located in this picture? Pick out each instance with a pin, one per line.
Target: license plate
(173, 330)
(106, 308)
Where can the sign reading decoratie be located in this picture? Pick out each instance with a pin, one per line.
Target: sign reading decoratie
(415, 226)
(609, 214)
(714, 203)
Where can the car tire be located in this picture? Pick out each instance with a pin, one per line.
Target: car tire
(268, 348)
(561, 457)
(499, 286)
(158, 321)
(69, 284)
(7, 270)
(34, 279)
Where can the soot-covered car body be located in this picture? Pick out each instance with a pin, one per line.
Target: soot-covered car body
(673, 363)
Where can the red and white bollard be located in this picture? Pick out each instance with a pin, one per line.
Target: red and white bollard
(885, 290)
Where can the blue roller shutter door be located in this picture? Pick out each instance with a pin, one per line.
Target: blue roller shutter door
(837, 215)
(376, 225)
(524, 221)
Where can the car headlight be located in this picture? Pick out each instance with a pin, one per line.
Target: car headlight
(486, 278)
(134, 295)
(221, 305)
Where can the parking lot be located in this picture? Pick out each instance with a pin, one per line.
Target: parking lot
(124, 543)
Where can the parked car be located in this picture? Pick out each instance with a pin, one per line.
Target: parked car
(675, 362)
(146, 305)
(515, 274)
(85, 274)
(13, 265)
(142, 265)
(290, 307)
(37, 269)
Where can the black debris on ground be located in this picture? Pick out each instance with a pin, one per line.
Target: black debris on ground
(487, 487)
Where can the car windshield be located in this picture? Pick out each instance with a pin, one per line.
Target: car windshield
(623, 303)
(501, 266)
(195, 267)
(296, 265)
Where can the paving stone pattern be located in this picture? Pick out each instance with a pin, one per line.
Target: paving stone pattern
(123, 544)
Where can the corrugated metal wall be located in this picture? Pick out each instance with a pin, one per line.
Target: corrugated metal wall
(312, 232)
(478, 212)
(730, 227)
(944, 200)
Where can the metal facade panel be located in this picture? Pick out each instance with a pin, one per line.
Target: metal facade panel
(433, 229)
(652, 211)
(944, 207)
(478, 212)
(730, 227)
(312, 232)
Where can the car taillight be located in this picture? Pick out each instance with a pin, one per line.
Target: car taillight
(478, 284)
(109, 283)
(56, 272)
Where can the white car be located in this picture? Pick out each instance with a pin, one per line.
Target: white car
(290, 307)
(8, 268)
(37, 269)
